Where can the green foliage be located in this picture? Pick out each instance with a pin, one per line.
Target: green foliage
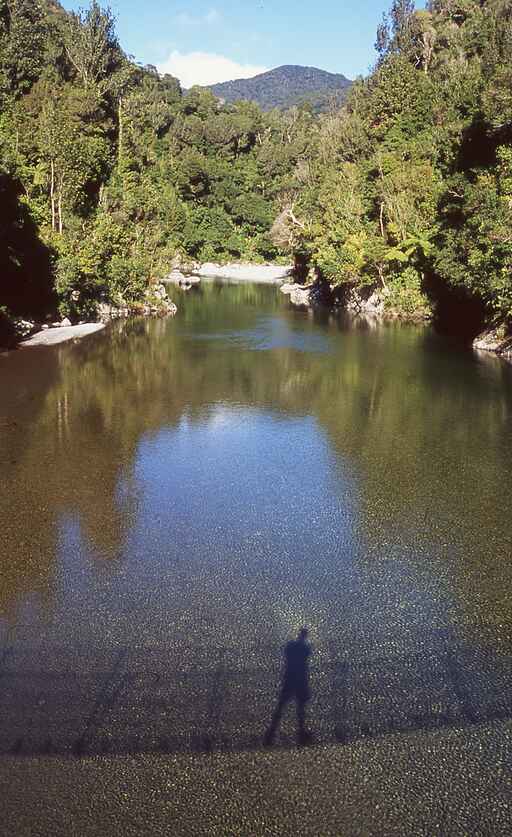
(108, 170)
(405, 296)
(414, 176)
(286, 87)
(116, 171)
(23, 30)
(92, 49)
(25, 260)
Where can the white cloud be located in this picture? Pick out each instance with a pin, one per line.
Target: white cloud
(206, 68)
(186, 19)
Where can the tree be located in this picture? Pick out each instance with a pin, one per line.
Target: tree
(23, 33)
(93, 49)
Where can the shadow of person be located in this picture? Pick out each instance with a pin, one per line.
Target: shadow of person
(295, 686)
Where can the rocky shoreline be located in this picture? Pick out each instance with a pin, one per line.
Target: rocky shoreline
(31, 334)
(54, 336)
(371, 306)
(495, 339)
(188, 275)
(155, 304)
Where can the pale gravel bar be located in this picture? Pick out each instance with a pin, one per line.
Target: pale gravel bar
(53, 336)
(259, 273)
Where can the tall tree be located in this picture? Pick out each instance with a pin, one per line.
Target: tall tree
(93, 49)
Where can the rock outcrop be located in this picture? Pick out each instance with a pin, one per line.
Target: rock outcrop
(156, 303)
(313, 294)
(368, 306)
(497, 338)
(299, 294)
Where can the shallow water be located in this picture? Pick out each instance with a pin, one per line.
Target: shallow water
(180, 496)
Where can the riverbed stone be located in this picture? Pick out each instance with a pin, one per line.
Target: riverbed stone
(244, 272)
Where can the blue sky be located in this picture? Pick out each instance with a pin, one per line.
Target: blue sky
(205, 42)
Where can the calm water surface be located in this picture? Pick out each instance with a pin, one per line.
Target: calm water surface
(206, 485)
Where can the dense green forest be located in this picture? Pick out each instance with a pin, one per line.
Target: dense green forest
(108, 172)
(287, 86)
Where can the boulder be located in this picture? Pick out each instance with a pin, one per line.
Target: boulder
(299, 294)
(24, 328)
(496, 338)
(175, 277)
(369, 306)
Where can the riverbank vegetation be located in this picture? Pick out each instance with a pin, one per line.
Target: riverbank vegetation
(110, 173)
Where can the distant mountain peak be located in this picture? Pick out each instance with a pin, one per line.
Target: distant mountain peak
(286, 86)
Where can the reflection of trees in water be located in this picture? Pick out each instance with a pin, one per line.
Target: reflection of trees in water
(427, 428)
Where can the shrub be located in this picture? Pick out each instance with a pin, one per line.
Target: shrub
(405, 296)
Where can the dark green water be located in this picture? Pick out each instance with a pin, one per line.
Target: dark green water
(211, 483)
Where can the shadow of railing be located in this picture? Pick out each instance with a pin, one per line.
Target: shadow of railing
(57, 700)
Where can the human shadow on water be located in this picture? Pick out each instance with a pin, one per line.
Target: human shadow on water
(295, 686)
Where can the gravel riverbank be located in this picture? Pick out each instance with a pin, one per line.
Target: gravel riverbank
(265, 273)
(53, 336)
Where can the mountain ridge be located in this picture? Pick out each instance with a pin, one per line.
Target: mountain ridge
(286, 86)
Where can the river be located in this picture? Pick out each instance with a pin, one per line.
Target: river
(179, 497)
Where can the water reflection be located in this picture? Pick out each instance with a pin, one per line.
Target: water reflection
(373, 463)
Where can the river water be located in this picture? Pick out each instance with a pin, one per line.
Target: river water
(180, 496)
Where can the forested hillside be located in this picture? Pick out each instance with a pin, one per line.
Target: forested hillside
(107, 171)
(287, 86)
(409, 187)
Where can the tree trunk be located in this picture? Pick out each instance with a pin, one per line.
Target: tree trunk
(52, 193)
(120, 139)
(61, 223)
